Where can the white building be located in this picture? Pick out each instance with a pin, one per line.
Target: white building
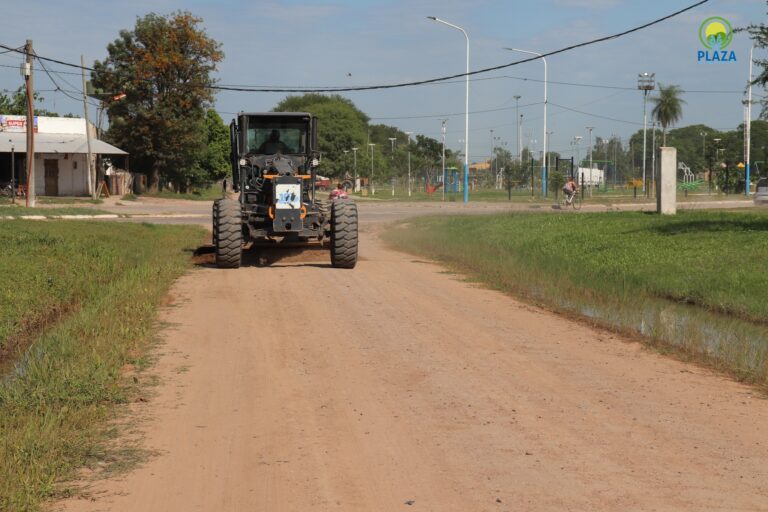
(60, 148)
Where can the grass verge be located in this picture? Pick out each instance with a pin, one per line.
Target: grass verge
(203, 194)
(83, 297)
(695, 283)
(20, 211)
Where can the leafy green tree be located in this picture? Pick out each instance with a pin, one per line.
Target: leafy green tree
(556, 181)
(668, 108)
(758, 32)
(215, 158)
(341, 126)
(16, 104)
(164, 67)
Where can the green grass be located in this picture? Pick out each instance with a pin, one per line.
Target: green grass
(696, 282)
(611, 196)
(67, 200)
(78, 303)
(203, 194)
(19, 211)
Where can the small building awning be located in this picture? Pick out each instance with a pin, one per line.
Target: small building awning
(56, 143)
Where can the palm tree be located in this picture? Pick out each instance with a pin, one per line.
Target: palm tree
(669, 107)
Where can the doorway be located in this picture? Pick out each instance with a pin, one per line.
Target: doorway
(51, 177)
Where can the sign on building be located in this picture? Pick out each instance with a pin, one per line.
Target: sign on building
(15, 123)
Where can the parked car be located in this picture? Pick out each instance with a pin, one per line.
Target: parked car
(761, 191)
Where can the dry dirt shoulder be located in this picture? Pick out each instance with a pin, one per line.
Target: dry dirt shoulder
(418, 391)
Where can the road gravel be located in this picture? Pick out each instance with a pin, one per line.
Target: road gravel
(401, 386)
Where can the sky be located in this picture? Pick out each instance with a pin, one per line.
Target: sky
(368, 42)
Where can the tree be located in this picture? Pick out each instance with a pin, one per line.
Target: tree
(16, 104)
(759, 35)
(341, 126)
(164, 67)
(669, 107)
(215, 159)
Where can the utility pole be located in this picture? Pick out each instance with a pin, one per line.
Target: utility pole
(590, 128)
(645, 82)
(92, 188)
(31, 200)
(13, 172)
(442, 173)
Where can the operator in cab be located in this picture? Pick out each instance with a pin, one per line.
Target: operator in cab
(273, 145)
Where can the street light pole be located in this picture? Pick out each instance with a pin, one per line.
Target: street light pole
(466, 108)
(549, 138)
(653, 154)
(590, 128)
(577, 143)
(517, 122)
(442, 172)
(354, 155)
(748, 126)
(544, 152)
(372, 187)
(645, 82)
(409, 162)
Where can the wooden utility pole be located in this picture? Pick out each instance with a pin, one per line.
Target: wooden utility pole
(92, 188)
(30, 126)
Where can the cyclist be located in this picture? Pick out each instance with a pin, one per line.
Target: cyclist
(570, 189)
(338, 193)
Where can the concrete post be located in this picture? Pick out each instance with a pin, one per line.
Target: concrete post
(666, 198)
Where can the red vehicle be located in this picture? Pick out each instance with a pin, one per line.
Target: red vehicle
(322, 183)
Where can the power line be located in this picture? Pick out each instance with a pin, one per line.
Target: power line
(63, 63)
(596, 115)
(430, 116)
(461, 75)
(63, 91)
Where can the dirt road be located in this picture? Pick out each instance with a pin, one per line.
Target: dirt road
(418, 391)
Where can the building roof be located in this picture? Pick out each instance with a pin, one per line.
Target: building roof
(56, 143)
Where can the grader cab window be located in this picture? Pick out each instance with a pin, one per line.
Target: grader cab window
(270, 136)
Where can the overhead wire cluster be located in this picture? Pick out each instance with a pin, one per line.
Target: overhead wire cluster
(473, 76)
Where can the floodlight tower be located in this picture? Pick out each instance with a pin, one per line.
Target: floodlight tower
(645, 82)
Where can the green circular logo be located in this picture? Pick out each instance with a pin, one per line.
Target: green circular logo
(716, 33)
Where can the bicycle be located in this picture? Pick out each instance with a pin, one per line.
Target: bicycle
(574, 201)
(8, 191)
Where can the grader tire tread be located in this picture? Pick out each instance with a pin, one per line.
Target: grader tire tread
(344, 234)
(229, 234)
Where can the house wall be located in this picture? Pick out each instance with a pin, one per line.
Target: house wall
(61, 125)
(73, 178)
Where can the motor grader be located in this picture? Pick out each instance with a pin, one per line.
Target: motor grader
(274, 163)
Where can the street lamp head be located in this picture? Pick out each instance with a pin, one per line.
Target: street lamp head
(433, 18)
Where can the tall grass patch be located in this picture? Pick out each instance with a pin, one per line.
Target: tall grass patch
(696, 282)
(78, 305)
